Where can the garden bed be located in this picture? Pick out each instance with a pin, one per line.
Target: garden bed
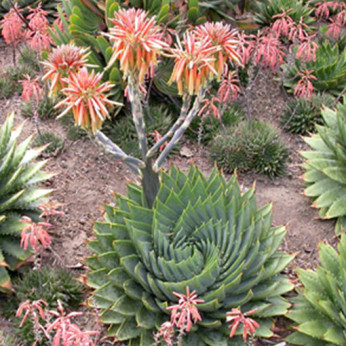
(87, 178)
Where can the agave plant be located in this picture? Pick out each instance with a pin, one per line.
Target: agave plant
(329, 69)
(267, 9)
(319, 309)
(18, 195)
(301, 115)
(201, 233)
(325, 167)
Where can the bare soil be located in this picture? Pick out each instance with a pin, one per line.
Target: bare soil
(87, 178)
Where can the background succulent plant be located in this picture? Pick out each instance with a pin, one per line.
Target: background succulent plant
(202, 233)
(329, 69)
(265, 10)
(301, 115)
(45, 108)
(257, 148)
(206, 128)
(19, 194)
(319, 308)
(53, 142)
(325, 166)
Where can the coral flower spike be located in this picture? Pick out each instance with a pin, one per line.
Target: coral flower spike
(137, 41)
(12, 26)
(87, 98)
(185, 313)
(222, 36)
(61, 63)
(194, 64)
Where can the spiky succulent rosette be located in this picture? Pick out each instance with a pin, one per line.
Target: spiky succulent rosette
(201, 233)
(325, 167)
(320, 308)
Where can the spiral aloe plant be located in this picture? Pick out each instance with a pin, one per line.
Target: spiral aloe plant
(320, 307)
(325, 167)
(201, 233)
(19, 194)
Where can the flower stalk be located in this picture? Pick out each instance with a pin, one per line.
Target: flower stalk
(138, 115)
(138, 44)
(181, 129)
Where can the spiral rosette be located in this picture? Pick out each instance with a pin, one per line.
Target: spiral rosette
(201, 233)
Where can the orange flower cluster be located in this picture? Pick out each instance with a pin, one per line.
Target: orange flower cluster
(87, 98)
(34, 234)
(31, 88)
(203, 53)
(236, 318)
(12, 26)
(185, 314)
(137, 42)
(38, 35)
(305, 87)
(35, 34)
(193, 64)
(62, 62)
(222, 36)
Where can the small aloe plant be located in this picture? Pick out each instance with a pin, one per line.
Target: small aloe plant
(319, 310)
(20, 196)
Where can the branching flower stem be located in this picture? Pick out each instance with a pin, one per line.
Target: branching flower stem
(171, 131)
(134, 163)
(138, 115)
(182, 128)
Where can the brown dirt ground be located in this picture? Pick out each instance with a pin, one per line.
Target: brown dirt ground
(87, 178)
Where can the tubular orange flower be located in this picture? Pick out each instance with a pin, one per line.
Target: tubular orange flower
(228, 89)
(62, 62)
(283, 22)
(307, 49)
(236, 317)
(38, 35)
(31, 88)
(194, 64)
(268, 51)
(12, 26)
(185, 313)
(304, 87)
(38, 17)
(166, 333)
(137, 42)
(34, 234)
(87, 98)
(220, 35)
